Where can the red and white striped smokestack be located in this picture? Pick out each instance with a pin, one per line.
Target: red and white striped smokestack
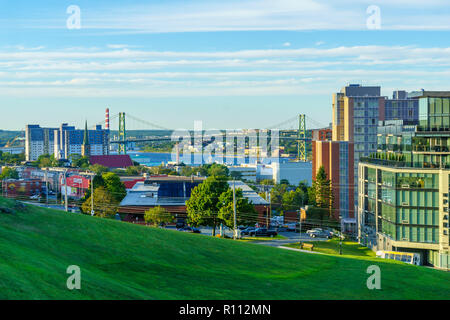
(107, 119)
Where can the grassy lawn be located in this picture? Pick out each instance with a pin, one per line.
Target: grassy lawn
(125, 261)
(349, 248)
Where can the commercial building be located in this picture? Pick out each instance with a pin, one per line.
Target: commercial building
(171, 193)
(356, 112)
(294, 172)
(76, 187)
(63, 142)
(404, 187)
(13, 188)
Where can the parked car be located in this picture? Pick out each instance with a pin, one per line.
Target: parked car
(263, 232)
(292, 227)
(319, 233)
(180, 224)
(189, 229)
(247, 231)
(35, 197)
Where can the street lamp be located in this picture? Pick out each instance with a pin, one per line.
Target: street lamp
(340, 237)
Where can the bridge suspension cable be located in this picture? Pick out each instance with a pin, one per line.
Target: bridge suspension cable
(147, 123)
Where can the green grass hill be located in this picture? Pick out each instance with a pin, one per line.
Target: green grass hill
(123, 261)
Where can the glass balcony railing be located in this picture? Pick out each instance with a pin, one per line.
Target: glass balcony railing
(419, 148)
(404, 164)
(433, 129)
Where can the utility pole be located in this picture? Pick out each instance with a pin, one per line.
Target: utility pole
(267, 208)
(92, 195)
(46, 185)
(300, 230)
(234, 210)
(66, 204)
(270, 209)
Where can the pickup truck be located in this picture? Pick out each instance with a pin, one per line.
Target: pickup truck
(263, 232)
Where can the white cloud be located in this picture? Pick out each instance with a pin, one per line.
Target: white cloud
(195, 16)
(129, 72)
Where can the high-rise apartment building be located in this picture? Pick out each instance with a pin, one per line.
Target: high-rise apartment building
(63, 142)
(38, 141)
(337, 159)
(356, 112)
(404, 187)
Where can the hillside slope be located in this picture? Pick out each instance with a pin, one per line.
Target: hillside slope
(124, 261)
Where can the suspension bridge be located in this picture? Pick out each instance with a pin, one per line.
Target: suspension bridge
(293, 129)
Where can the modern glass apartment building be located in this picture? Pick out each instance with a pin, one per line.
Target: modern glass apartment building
(356, 112)
(404, 186)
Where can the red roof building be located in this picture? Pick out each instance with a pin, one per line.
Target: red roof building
(129, 184)
(113, 161)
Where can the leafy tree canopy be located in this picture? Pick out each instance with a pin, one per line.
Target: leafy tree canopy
(105, 205)
(158, 216)
(9, 173)
(203, 205)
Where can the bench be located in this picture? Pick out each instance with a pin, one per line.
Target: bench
(307, 246)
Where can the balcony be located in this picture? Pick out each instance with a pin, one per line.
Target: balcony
(404, 164)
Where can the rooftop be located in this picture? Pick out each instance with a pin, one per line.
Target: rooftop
(430, 94)
(167, 178)
(112, 161)
(146, 194)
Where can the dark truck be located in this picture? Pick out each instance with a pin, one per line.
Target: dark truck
(263, 232)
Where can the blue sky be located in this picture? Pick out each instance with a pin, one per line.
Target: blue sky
(232, 64)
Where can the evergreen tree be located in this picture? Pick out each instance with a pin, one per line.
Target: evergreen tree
(320, 194)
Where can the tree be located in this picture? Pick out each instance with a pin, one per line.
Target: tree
(277, 192)
(317, 216)
(188, 171)
(98, 182)
(161, 170)
(202, 207)
(217, 170)
(114, 186)
(46, 161)
(320, 193)
(9, 173)
(236, 175)
(303, 185)
(80, 162)
(134, 170)
(157, 216)
(104, 203)
(267, 182)
(245, 211)
(98, 169)
(293, 200)
(8, 158)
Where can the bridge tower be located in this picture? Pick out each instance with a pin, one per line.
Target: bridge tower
(302, 152)
(122, 134)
